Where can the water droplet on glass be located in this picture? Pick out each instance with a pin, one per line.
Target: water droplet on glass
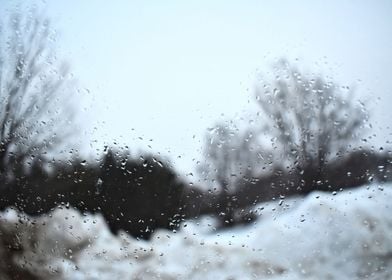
(98, 186)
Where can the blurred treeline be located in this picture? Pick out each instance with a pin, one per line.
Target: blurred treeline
(140, 194)
(134, 194)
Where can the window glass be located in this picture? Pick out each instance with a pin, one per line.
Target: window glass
(195, 140)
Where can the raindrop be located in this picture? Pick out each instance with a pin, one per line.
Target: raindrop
(98, 186)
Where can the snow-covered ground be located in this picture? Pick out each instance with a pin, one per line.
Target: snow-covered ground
(347, 235)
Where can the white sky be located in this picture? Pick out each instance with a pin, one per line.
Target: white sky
(168, 70)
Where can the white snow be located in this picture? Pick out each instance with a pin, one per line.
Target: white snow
(347, 235)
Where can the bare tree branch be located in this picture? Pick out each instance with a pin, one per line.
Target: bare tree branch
(311, 119)
(34, 110)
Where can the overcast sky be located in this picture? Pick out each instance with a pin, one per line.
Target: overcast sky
(165, 71)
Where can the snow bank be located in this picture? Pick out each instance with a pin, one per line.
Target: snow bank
(322, 236)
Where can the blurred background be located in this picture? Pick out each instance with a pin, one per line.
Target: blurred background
(167, 72)
(152, 113)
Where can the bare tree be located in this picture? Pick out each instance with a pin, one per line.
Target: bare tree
(311, 120)
(230, 155)
(33, 111)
